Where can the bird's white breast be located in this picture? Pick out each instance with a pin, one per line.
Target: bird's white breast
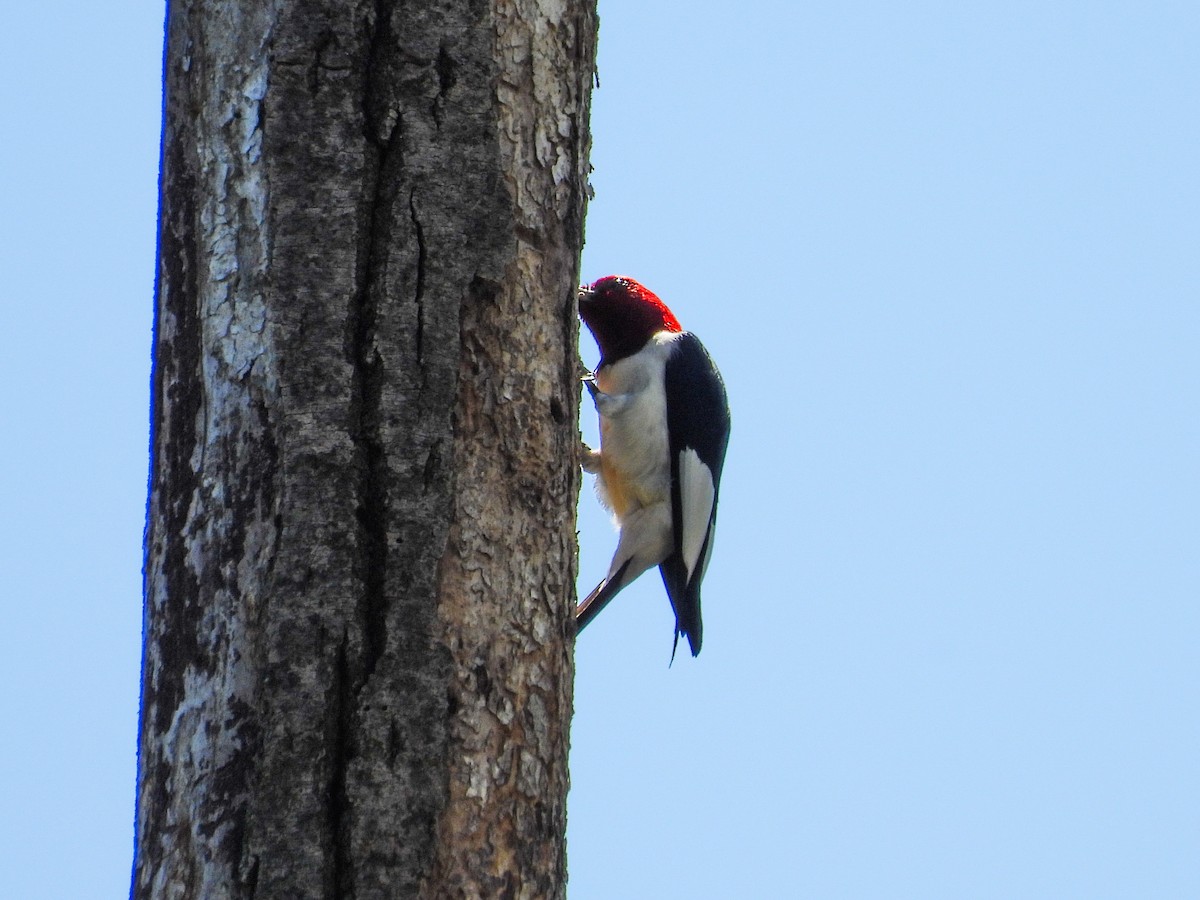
(634, 447)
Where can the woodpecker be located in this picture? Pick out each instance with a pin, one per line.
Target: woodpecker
(664, 427)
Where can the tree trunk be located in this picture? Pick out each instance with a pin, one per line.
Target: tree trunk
(360, 547)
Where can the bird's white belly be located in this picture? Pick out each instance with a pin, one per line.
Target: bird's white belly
(634, 450)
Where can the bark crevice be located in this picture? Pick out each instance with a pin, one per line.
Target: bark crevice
(419, 293)
(368, 378)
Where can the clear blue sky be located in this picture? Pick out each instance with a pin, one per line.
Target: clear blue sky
(948, 258)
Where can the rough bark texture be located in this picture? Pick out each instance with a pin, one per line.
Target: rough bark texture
(360, 547)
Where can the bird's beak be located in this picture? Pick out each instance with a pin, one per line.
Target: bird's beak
(584, 296)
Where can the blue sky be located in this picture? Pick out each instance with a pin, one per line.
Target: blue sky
(946, 257)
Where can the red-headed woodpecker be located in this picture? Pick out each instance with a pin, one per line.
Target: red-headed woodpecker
(664, 426)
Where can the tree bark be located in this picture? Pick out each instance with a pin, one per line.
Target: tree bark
(360, 546)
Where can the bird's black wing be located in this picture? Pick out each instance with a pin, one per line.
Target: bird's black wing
(698, 429)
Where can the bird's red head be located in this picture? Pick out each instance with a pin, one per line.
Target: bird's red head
(622, 315)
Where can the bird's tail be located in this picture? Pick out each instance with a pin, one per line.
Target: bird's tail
(685, 602)
(690, 626)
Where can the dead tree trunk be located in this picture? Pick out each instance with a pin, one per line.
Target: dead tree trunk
(360, 548)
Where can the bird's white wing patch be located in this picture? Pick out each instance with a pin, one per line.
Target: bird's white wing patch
(697, 493)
